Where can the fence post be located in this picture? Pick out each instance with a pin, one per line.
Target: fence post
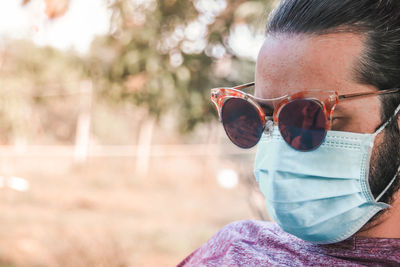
(143, 151)
(82, 136)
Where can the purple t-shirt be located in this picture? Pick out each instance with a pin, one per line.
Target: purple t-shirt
(258, 243)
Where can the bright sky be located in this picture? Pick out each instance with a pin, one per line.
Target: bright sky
(76, 29)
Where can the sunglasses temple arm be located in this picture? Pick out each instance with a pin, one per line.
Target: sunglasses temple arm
(244, 86)
(383, 92)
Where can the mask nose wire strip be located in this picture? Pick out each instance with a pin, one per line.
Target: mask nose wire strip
(388, 186)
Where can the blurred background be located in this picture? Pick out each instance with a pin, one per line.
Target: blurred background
(111, 153)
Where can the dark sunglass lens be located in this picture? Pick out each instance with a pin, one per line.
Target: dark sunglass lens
(302, 124)
(241, 122)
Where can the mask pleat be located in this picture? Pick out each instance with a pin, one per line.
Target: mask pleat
(293, 212)
(335, 228)
(320, 195)
(306, 188)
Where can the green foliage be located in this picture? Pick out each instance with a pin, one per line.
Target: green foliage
(165, 55)
(162, 55)
(39, 91)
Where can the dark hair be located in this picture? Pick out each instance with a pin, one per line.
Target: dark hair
(379, 22)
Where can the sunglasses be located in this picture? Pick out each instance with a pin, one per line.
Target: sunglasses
(303, 118)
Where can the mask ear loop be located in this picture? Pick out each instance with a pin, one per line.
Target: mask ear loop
(388, 121)
(388, 186)
(398, 169)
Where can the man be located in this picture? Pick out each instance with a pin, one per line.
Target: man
(334, 195)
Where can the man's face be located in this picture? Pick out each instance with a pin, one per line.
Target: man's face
(291, 63)
(288, 64)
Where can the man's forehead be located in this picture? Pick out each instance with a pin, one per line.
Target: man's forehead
(290, 63)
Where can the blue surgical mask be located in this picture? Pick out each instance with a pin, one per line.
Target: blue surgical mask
(321, 196)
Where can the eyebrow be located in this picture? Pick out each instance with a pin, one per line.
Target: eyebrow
(269, 109)
(341, 97)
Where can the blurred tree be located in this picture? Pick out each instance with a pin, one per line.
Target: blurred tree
(40, 89)
(162, 55)
(167, 54)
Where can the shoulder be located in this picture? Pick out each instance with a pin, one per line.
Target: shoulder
(248, 229)
(259, 232)
(242, 241)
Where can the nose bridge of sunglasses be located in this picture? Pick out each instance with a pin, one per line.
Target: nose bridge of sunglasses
(269, 105)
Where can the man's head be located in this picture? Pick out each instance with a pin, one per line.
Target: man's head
(346, 46)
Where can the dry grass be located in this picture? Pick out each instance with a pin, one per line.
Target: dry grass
(100, 214)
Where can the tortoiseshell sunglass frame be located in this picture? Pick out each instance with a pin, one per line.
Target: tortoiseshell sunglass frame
(268, 109)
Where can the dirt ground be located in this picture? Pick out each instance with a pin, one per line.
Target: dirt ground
(101, 214)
